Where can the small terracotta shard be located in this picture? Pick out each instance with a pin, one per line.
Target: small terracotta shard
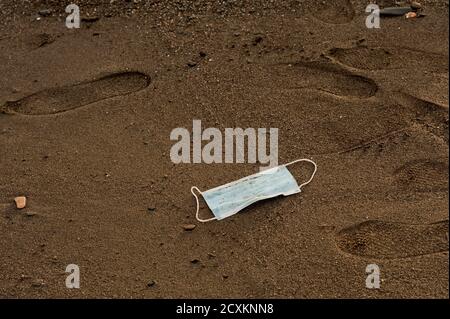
(21, 202)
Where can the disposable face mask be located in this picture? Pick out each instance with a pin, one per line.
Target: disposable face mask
(229, 199)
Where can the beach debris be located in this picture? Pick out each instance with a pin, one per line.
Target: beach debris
(211, 255)
(90, 19)
(38, 283)
(21, 202)
(24, 277)
(416, 5)
(410, 15)
(189, 227)
(228, 199)
(395, 11)
(45, 12)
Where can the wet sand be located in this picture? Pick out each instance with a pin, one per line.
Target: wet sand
(85, 123)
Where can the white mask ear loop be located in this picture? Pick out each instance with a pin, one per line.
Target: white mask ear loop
(313, 173)
(198, 206)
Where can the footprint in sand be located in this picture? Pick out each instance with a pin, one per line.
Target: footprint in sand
(433, 117)
(388, 240)
(333, 12)
(365, 58)
(27, 42)
(65, 98)
(423, 176)
(323, 76)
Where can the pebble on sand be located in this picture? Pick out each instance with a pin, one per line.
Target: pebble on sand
(21, 202)
(189, 227)
(410, 15)
(45, 12)
(25, 277)
(416, 5)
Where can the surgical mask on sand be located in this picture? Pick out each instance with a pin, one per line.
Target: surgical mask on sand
(229, 199)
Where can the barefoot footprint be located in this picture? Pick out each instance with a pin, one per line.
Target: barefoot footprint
(65, 98)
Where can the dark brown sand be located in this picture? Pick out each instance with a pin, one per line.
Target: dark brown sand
(84, 134)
